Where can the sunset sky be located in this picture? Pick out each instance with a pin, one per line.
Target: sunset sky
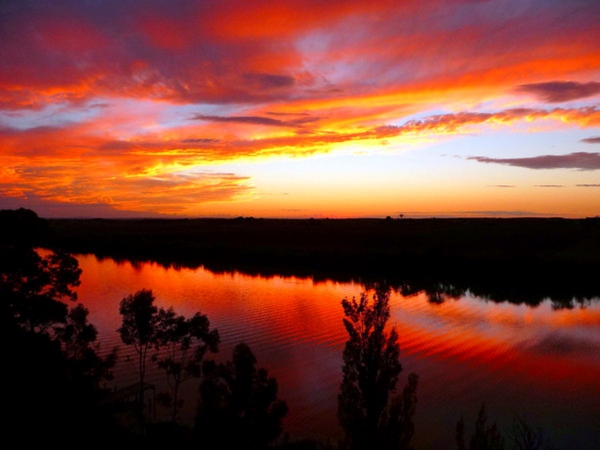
(300, 108)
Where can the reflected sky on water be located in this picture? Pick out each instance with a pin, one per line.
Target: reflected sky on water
(541, 362)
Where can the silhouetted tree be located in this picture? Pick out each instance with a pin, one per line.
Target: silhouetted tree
(35, 288)
(525, 436)
(398, 427)
(78, 342)
(238, 406)
(139, 329)
(184, 342)
(484, 438)
(52, 366)
(370, 374)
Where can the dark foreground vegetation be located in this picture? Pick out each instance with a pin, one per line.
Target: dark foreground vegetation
(54, 375)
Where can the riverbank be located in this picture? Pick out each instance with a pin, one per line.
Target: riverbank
(549, 250)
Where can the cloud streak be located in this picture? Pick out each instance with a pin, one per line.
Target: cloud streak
(578, 160)
(258, 120)
(561, 91)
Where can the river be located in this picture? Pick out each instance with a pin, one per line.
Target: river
(541, 363)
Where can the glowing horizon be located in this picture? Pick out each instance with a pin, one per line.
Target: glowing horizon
(300, 109)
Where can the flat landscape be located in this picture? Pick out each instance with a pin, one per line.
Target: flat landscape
(557, 251)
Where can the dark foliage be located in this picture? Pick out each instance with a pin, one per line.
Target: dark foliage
(184, 343)
(52, 368)
(238, 406)
(139, 326)
(485, 437)
(369, 419)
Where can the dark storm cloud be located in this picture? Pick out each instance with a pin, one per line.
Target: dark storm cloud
(561, 91)
(578, 160)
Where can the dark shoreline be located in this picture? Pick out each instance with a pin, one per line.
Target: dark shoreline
(540, 256)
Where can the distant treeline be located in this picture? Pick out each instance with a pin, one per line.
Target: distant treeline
(550, 252)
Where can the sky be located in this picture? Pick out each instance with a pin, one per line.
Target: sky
(300, 108)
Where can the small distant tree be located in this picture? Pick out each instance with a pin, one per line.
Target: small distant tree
(184, 343)
(238, 406)
(370, 374)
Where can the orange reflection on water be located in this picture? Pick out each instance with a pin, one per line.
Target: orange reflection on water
(535, 344)
(478, 350)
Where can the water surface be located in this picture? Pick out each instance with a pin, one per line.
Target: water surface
(541, 362)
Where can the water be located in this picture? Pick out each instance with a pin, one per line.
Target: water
(540, 363)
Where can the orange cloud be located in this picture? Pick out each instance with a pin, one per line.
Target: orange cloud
(195, 84)
(205, 51)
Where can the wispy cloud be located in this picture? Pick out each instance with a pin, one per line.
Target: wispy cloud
(497, 213)
(251, 120)
(561, 91)
(200, 141)
(578, 160)
(268, 81)
(592, 140)
(454, 122)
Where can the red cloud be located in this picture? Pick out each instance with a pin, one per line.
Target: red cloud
(258, 52)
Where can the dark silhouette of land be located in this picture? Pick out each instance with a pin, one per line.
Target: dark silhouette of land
(499, 257)
(339, 244)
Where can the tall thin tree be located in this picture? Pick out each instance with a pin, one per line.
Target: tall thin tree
(183, 343)
(139, 329)
(370, 374)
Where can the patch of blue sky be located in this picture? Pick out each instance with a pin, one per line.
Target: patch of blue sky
(176, 116)
(51, 115)
(507, 143)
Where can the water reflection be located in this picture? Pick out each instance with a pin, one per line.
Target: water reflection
(520, 353)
